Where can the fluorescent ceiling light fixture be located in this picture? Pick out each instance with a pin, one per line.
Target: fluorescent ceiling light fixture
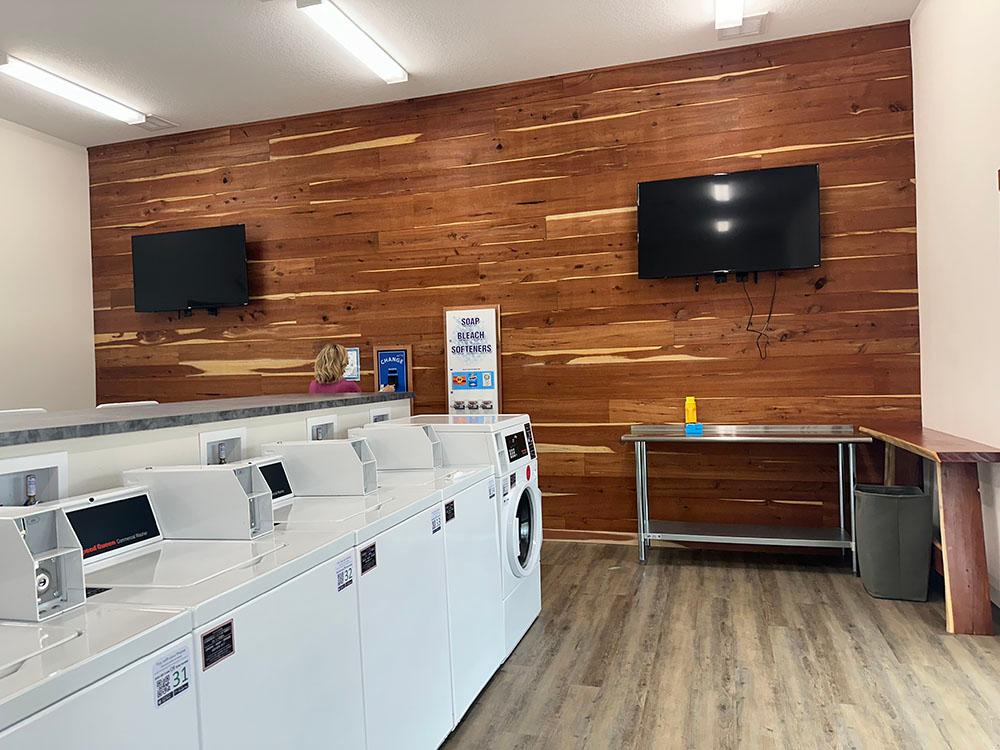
(333, 21)
(728, 14)
(52, 83)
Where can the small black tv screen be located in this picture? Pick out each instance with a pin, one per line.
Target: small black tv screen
(195, 268)
(740, 222)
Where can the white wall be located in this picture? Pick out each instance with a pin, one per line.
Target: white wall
(956, 68)
(46, 290)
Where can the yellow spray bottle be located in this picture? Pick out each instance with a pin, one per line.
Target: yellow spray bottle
(690, 410)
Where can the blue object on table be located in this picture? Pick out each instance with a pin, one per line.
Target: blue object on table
(694, 429)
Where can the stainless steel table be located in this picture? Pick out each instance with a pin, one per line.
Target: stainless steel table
(845, 437)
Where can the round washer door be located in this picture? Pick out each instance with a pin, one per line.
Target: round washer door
(524, 531)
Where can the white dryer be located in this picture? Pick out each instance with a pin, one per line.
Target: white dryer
(507, 443)
(276, 633)
(131, 666)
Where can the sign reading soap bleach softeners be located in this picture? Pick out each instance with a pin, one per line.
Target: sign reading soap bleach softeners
(473, 360)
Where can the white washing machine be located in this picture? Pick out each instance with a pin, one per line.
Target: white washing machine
(412, 455)
(275, 628)
(472, 555)
(402, 595)
(131, 666)
(505, 442)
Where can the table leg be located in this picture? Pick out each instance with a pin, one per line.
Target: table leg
(851, 480)
(640, 497)
(645, 497)
(840, 484)
(889, 472)
(963, 547)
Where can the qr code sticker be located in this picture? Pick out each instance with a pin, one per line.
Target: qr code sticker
(171, 675)
(345, 571)
(163, 692)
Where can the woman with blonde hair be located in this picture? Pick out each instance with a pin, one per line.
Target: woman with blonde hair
(331, 362)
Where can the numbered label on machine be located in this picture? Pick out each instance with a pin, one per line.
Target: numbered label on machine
(171, 675)
(493, 488)
(449, 511)
(217, 644)
(345, 571)
(435, 520)
(368, 558)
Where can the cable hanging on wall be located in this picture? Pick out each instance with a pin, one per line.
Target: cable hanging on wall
(763, 338)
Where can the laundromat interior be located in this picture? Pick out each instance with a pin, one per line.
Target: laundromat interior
(413, 375)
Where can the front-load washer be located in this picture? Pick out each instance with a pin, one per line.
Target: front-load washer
(276, 633)
(62, 667)
(507, 443)
(472, 555)
(521, 543)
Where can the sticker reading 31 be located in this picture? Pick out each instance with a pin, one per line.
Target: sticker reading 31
(171, 675)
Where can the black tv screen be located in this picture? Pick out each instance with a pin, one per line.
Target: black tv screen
(740, 222)
(196, 268)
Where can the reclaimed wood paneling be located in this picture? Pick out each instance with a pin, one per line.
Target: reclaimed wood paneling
(364, 223)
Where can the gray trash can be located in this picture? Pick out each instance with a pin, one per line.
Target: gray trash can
(894, 536)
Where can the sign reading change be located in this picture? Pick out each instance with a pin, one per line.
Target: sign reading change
(473, 336)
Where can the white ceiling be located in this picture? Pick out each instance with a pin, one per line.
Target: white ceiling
(203, 63)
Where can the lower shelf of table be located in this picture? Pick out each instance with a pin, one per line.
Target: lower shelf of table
(768, 536)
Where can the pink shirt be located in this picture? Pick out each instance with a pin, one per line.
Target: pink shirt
(341, 386)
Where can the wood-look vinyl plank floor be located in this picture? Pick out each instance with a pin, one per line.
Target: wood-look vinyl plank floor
(731, 650)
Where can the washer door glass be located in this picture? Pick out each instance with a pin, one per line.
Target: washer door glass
(525, 521)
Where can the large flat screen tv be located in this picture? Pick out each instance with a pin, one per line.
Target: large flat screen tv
(196, 268)
(740, 222)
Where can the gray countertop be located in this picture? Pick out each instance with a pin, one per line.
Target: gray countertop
(40, 427)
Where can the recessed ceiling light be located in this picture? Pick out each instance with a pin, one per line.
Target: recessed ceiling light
(52, 83)
(333, 20)
(728, 14)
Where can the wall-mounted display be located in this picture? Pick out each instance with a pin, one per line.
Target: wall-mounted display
(353, 369)
(190, 269)
(473, 353)
(392, 367)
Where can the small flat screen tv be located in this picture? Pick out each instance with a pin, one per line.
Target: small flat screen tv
(740, 222)
(196, 268)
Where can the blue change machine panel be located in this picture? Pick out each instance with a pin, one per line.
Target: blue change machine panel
(393, 368)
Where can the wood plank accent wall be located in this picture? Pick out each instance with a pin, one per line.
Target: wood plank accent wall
(364, 223)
